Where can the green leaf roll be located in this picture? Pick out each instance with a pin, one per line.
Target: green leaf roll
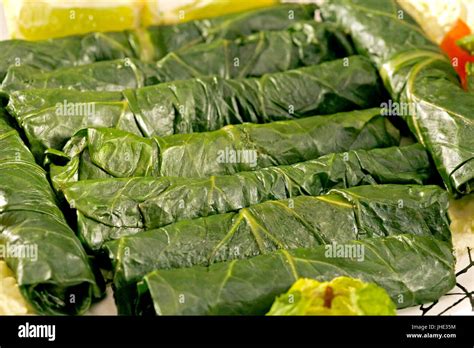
(67, 52)
(304, 44)
(302, 222)
(148, 44)
(105, 153)
(420, 78)
(50, 264)
(170, 38)
(204, 104)
(412, 269)
(111, 75)
(112, 207)
(50, 117)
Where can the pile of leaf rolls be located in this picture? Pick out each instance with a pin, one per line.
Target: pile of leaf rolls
(206, 166)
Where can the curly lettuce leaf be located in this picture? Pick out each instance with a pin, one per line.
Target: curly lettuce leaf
(340, 296)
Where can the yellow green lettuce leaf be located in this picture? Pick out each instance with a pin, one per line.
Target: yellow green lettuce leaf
(340, 296)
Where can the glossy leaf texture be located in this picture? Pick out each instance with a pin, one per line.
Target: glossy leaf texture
(49, 262)
(444, 122)
(112, 207)
(204, 104)
(412, 269)
(111, 75)
(170, 38)
(66, 52)
(418, 76)
(50, 117)
(302, 222)
(105, 153)
(304, 44)
(148, 44)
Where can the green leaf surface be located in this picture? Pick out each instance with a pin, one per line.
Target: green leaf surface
(470, 76)
(301, 222)
(50, 117)
(304, 44)
(412, 269)
(111, 75)
(149, 44)
(420, 77)
(204, 104)
(127, 206)
(48, 260)
(66, 52)
(99, 153)
(170, 38)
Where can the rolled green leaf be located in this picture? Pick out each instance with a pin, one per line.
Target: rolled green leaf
(102, 153)
(150, 44)
(68, 51)
(382, 20)
(301, 222)
(127, 206)
(304, 44)
(170, 38)
(412, 269)
(111, 75)
(50, 117)
(424, 86)
(443, 122)
(204, 104)
(49, 262)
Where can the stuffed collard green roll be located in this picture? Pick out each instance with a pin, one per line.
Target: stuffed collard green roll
(50, 264)
(149, 44)
(423, 84)
(170, 38)
(66, 52)
(110, 75)
(204, 104)
(104, 153)
(110, 208)
(304, 44)
(412, 269)
(50, 117)
(302, 222)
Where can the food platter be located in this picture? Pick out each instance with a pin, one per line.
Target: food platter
(204, 167)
